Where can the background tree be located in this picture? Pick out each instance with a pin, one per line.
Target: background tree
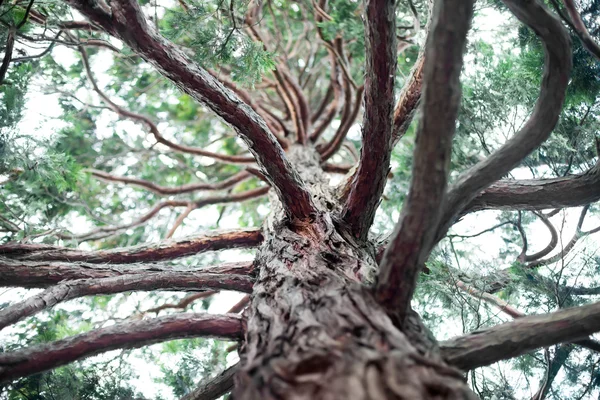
(269, 149)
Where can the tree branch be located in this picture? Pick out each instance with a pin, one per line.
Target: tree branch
(411, 91)
(380, 70)
(182, 304)
(215, 387)
(164, 250)
(40, 274)
(581, 31)
(553, 240)
(172, 280)
(233, 159)
(105, 231)
(518, 337)
(538, 194)
(557, 68)
(131, 334)
(415, 231)
(165, 191)
(125, 21)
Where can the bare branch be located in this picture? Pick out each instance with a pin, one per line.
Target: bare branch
(557, 48)
(173, 280)
(380, 70)
(512, 339)
(579, 234)
(553, 240)
(338, 138)
(125, 21)
(415, 231)
(105, 231)
(182, 304)
(164, 250)
(40, 274)
(240, 305)
(162, 190)
(179, 221)
(131, 334)
(215, 387)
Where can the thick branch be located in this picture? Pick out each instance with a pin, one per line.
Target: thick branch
(557, 48)
(512, 339)
(215, 387)
(538, 194)
(165, 250)
(40, 274)
(418, 221)
(131, 334)
(125, 21)
(380, 70)
(173, 280)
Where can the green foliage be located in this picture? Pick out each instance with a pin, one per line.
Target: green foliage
(216, 40)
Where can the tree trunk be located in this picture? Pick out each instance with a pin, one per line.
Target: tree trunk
(314, 330)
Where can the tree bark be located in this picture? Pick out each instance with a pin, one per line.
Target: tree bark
(315, 332)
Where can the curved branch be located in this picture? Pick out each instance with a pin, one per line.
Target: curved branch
(126, 21)
(557, 49)
(579, 234)
(415, 231)
(380, 71)
(512, 339)
(338, 138)
(39, 274)
(164, 250)
(152, 126)
(173, 280)
(131, 334)
(162, 190)
(590, 45)
(215, 387)
(182, 304)
(553, 240)
(105, 231)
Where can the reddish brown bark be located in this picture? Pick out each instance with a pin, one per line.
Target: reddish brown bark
(369, 180)
(125, 21)
(537, 194)
(72, 289)
(521, 336)
(40, 274)
(165, 250)
(416, 228)
(131, 334)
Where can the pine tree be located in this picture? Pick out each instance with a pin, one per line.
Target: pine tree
(177, 117)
